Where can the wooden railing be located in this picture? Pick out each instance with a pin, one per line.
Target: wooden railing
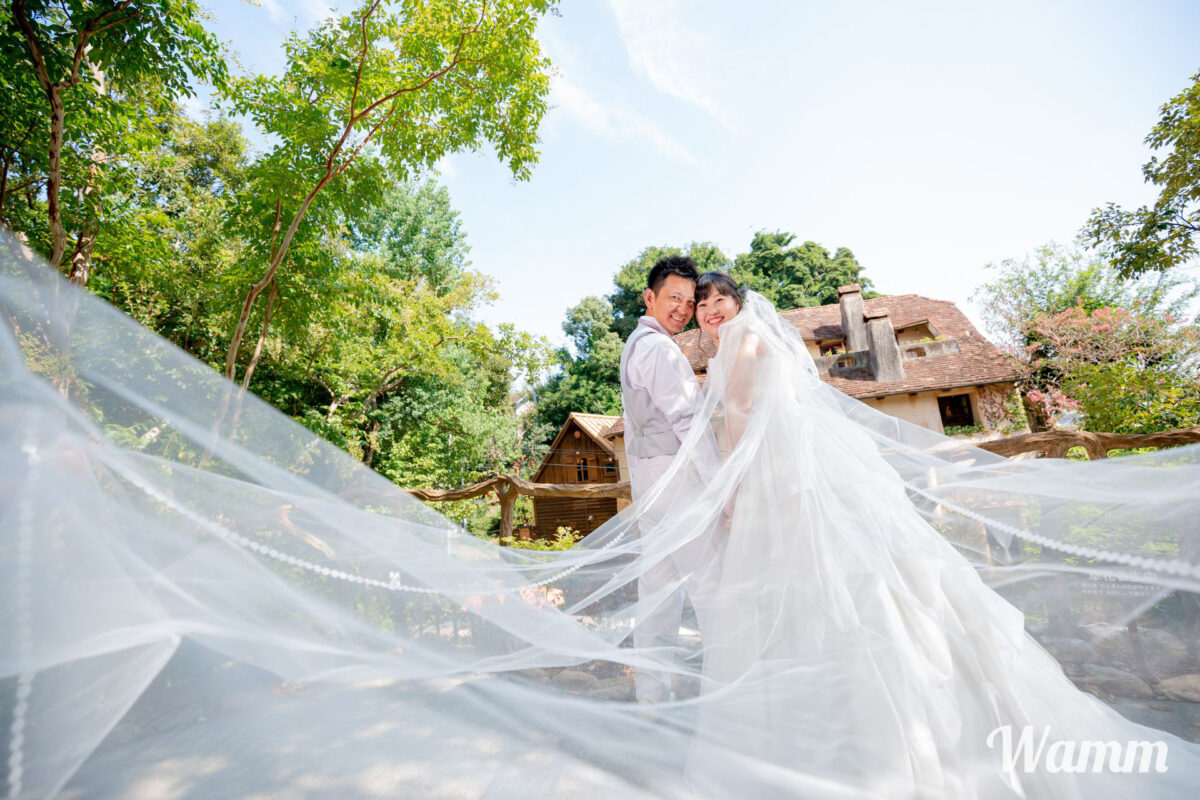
(1056, 444)
(509, 487)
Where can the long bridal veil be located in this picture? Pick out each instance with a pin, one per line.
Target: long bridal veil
(202, 598)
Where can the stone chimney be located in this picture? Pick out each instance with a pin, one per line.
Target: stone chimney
(886, 363)
(850, 300)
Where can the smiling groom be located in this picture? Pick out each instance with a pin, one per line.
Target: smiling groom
(661, 398)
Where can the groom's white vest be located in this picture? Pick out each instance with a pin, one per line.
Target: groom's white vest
(648, 432)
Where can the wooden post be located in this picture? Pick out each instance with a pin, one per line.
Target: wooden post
(508, 500)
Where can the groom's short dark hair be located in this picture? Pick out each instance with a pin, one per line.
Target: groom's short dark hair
(682, 266)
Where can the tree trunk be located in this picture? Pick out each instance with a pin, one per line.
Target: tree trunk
(4, 186)
(262, 335)
(272, 268)
(58, 236)
(81, 258)
(369, 448)
(508, 500)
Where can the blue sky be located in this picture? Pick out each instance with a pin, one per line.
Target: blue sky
(928, 137)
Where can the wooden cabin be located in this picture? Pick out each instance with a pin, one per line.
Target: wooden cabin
(579, 454)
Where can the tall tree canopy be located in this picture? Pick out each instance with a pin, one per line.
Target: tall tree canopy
(85, 78)
(1120, 352)
(796, 276)
(320, 269)
(1167, 233)
(1056, 278)
(374, 96)
(586, 376)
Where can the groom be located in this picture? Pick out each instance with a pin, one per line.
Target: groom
(661, 398)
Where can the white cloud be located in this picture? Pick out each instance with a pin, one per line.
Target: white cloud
(667, 51)
(314, 11)
(274, 10)
(305, 13)
(446, 168)
(614, 121)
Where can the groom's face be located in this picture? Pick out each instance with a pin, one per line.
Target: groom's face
(672, 305)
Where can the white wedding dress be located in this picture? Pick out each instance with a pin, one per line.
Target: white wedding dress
(203, 599)
(850, 637)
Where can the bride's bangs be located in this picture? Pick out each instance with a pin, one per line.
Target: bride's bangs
(716, 282)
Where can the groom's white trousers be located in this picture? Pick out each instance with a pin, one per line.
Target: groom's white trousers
(696, 564)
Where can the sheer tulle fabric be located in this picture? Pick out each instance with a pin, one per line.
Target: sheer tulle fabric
(204, 599)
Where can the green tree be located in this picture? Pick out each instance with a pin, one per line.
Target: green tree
(417, 233)
(796, 276)
(382, 92)
(166, 247)
(89, 60)
(1086, 340)
(390, 343)
(1125, 370)
(1055, 278)
(1167, 233)
(587, 376)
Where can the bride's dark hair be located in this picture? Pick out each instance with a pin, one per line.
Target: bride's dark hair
(717, 282)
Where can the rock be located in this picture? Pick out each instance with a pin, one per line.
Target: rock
(619, 688)
(1069, 651)
(1114, 681)
(1037, 629)
(1182, 687)
(1165, 654)
(535, 674)
(574, 681)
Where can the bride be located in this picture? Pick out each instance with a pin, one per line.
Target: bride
(202, 598)
(847, 634)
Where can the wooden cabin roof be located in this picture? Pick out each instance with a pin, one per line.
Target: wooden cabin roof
(594, 426)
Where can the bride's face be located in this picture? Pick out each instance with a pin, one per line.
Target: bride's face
(715, 310)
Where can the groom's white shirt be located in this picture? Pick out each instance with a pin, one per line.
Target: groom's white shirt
(661, 399)
(658, 367)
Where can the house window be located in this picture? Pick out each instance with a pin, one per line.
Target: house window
(956, 410)
(845, 363)
(610, 468)
(833, 348)
(914, 352)
(581, 470)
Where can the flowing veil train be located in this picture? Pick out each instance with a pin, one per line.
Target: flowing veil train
(202, 598)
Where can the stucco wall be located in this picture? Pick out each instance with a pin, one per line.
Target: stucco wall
(922, 408)
(919, 409)
(914, 333)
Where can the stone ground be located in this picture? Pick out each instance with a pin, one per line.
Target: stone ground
(181, 743)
